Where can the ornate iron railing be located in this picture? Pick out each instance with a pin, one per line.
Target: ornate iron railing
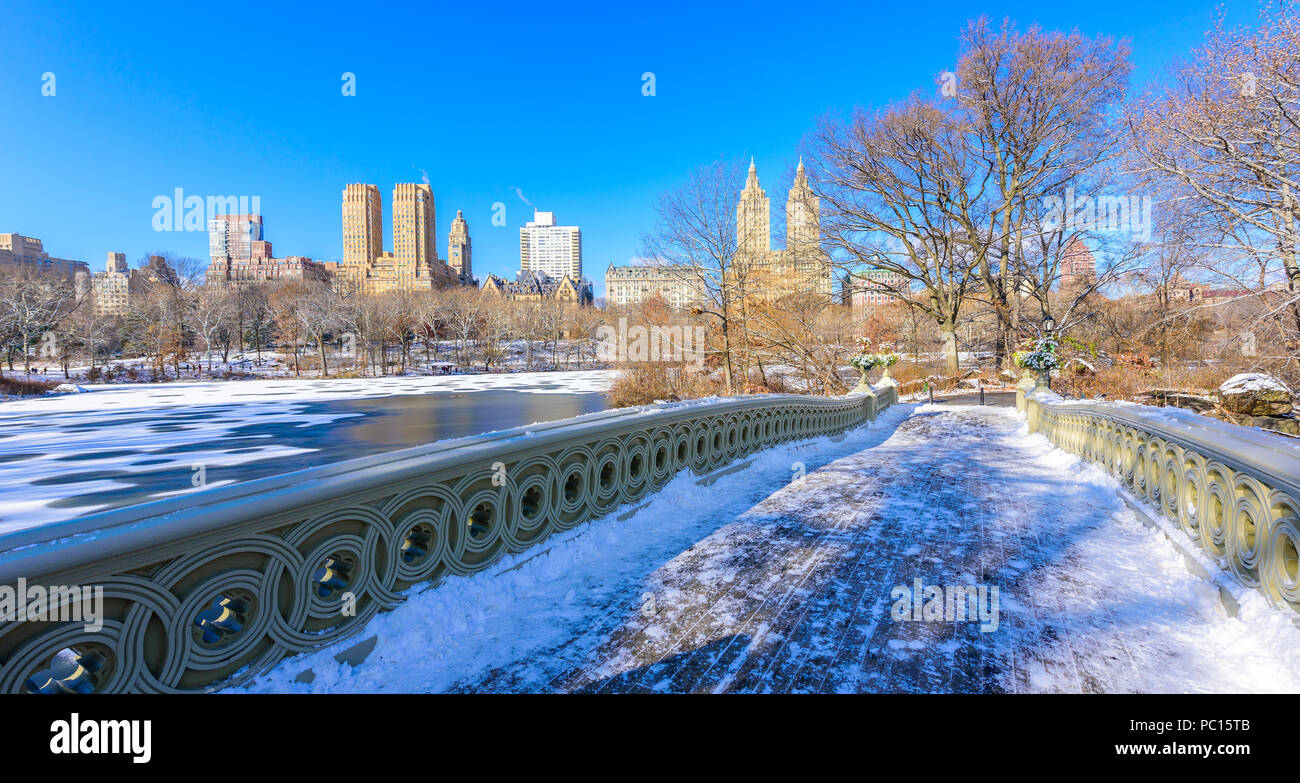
(1233, 490)
(208, 589)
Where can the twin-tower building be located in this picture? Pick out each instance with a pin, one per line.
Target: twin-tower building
(757, 270)
(413, 263)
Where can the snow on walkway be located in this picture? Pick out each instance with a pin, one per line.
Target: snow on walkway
(763, 584)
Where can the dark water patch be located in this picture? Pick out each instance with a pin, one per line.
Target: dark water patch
(98, 455)
(65, 479)
(21, 455)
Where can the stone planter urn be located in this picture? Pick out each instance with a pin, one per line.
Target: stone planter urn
(863, 383)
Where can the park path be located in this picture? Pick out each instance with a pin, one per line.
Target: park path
(795, 589)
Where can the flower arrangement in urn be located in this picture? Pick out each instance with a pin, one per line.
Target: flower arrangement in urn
(1042, 355)
(865, 360)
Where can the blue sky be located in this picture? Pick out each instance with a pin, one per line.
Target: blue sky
(489, 100)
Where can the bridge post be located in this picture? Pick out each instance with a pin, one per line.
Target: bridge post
(1034, 399)
(1024, 387)
(873, 404)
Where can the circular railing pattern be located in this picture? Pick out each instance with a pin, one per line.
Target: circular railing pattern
(211, 616)
(1248, 527)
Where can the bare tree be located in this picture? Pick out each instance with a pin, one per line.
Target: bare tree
(32, 303)
(213, 308)
(893, 185)
(696, 240)
(1225, 131)
(1037, 110)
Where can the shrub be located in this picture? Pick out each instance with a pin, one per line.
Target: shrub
(22, 388)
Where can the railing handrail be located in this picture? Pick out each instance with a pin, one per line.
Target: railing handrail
(1240, 448)
(1230, 489)
(154, 524)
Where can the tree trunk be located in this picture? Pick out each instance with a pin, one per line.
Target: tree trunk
(726, 356)
(949, 333)
(324, 366)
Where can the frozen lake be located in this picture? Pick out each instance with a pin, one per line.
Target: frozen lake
(71, 455)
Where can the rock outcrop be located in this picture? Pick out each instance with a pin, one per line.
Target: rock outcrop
(1255, 394)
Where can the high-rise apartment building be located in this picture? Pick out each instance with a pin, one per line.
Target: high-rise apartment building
(112, 287)
(802, 267)
(17, 250)
(363, 229)
(237, 237)
(802, 217)
(415, 224)
(459, 251)
(242, 256)
(753, 220)
(555, 251)
(413, 264)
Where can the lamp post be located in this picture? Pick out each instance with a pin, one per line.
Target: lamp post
(1049, 327)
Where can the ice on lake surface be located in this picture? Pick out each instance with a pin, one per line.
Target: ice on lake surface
(71, 455)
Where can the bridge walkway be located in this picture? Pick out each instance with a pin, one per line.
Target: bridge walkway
(807, 585)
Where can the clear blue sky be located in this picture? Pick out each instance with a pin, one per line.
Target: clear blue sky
(229, 98)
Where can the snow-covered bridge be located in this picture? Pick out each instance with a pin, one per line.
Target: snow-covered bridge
(770, 544)
(801, 573)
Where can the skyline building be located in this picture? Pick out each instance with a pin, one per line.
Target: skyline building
(1078, 267)
(753, 219)
(539, 287)
(415, 225)
(19, 250)
(363, 229)
(459, 249)
(678, 287)
(803, 266)
(413, 263)
(112, 287)
(555, 251)
(242, 256)
(238, 237)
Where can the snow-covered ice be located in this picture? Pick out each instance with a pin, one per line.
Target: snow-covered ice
(764, 583)
(109, 398)
(66, 455)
